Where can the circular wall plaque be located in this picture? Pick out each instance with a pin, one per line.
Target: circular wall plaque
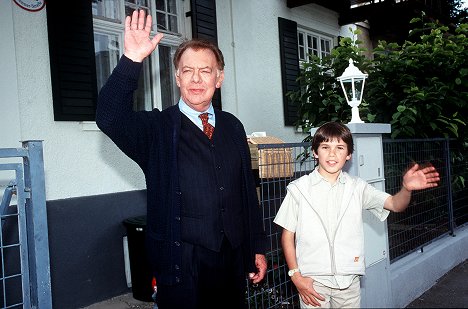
(30, 5)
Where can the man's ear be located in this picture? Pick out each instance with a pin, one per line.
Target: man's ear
(177, 77)
(220, 79)
(315, 155)
(348, 157)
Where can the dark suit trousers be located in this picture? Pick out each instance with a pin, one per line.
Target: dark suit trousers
(210, 280)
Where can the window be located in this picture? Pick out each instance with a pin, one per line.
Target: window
(310, 43)
(166, 13)
(157, 88)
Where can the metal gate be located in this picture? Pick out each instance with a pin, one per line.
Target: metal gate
(24, 245)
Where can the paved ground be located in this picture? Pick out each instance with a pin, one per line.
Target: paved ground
(450, 291)
(125, 301)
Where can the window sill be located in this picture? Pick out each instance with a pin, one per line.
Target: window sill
(89, 126)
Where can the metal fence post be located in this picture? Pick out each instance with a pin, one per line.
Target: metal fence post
(449, 187)
(38, 241)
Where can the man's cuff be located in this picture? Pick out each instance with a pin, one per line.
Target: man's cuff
(129, 68)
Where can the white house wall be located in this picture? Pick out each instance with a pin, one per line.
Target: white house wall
(249, 38)
(9, 109)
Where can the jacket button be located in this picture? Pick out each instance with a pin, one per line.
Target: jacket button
(176, 267)
(177, 279)
(221, 188)
(177, 218)
(177, 243)
(178, 193)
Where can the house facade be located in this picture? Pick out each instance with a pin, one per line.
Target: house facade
(54, 61)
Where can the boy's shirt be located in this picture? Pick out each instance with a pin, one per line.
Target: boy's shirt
(328, 204)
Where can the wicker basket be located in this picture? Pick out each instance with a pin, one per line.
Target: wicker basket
(271, 162)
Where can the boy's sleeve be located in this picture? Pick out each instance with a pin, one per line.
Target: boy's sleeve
(374, 201)
(287, 214)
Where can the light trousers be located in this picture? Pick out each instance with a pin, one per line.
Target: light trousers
(336, 298)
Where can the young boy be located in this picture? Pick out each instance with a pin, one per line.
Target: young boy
(321, 216)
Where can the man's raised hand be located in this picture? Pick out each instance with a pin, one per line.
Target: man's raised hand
(137, 42)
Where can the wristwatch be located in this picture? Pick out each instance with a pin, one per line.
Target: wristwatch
(291, 272)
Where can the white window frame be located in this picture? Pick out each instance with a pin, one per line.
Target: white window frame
(322, 39)
(152, 85)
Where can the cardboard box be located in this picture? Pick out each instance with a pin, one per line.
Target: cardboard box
(271, 162)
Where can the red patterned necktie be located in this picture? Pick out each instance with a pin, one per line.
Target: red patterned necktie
(207, 127)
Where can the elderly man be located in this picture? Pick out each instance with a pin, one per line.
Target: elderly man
(204, 229)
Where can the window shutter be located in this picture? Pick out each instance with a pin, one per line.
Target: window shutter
(289, 67)
(204, 27)
(72, 62)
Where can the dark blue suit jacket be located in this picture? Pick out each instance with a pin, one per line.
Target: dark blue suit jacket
(151, 139)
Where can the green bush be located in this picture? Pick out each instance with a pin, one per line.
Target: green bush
(421, 87)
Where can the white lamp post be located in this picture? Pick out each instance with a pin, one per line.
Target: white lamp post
(352, 81)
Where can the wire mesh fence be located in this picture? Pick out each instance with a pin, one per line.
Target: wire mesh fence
(427, 216)
(459, 176)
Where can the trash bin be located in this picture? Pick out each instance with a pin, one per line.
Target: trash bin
(139, 267)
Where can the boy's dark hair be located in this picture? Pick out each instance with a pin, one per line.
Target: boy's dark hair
(333, 131)
(199, 44)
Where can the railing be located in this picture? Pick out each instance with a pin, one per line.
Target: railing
(433, 213)
(24, 247)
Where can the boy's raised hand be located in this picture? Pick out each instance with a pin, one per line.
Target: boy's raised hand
(418, 179)
(137, 42)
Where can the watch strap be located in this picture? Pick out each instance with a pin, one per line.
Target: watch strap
(291, 272)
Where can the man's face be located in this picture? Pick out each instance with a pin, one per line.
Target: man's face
(332, 156)
(198, 77)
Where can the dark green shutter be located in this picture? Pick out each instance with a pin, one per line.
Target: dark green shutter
(204, 27)
(289, 67)
(72, 62)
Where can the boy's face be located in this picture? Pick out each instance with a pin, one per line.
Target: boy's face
(332, 156)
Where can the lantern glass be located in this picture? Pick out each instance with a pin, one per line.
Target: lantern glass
(353, 89)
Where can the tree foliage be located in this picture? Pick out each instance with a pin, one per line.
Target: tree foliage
(457, 13)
